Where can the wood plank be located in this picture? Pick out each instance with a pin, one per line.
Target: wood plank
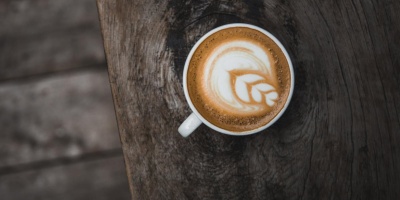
(61, 115)
(51, 35)
(337, 140)
(96, 179)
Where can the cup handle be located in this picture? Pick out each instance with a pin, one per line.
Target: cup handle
(189, 125)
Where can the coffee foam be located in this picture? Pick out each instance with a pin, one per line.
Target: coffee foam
(238, 79)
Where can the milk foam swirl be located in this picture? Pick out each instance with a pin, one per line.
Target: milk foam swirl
(240, 77)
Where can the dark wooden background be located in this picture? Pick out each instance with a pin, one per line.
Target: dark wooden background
(58, 132)
(339, 138)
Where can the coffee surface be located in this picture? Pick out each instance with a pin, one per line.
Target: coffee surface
(238, 79)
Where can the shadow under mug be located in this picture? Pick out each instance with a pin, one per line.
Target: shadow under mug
(196, 119)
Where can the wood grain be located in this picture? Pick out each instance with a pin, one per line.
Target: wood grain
(62, 115)
(44, 36)
(337, 140)
(97, 179)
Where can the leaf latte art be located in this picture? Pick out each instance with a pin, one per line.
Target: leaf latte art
(239, 75)
(238, 79)
(252, 88)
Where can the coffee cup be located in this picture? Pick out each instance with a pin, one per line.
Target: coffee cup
(238, 79)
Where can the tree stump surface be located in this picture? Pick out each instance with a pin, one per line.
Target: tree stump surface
(338, 139)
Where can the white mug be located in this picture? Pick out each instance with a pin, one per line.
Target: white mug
(196, 119)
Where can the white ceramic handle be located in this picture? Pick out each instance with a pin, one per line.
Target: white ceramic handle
(189, 125)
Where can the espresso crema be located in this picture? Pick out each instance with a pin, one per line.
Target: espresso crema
(238, 79)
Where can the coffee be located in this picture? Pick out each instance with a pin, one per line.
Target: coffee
(238, 79)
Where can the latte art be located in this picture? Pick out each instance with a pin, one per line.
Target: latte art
(253, 89)
(238, 79)
(240, 76)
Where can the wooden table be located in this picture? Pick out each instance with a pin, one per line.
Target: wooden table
(58, 134)
(339, 138)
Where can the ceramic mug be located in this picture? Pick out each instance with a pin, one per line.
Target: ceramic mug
(237, 32)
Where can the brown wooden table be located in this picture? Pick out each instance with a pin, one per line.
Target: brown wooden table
(339, 138)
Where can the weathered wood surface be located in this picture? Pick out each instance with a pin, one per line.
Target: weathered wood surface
(101, 179)
(339, 138)
(58, 130)
(62, 115)
(49, 35)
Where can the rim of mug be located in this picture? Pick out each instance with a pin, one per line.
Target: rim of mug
(205, 121)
